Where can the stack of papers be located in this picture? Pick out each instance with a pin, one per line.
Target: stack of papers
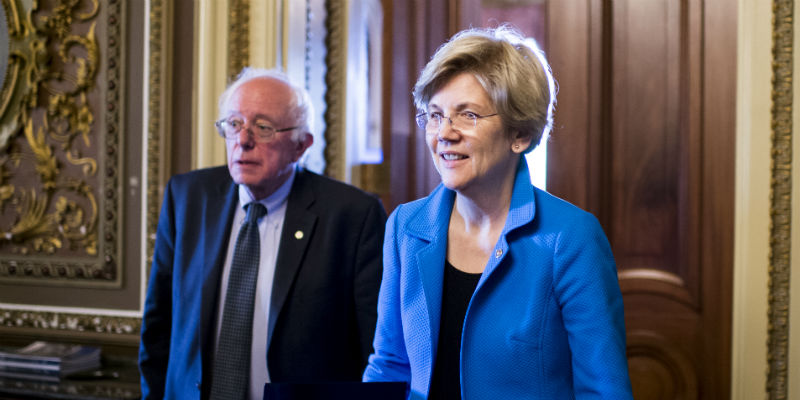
(48, 361)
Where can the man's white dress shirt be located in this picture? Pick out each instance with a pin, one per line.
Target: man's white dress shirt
(269, 228)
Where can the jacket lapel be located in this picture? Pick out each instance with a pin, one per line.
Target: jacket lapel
(219, 211)
(292, 246)
(428, 227)
(521, 212)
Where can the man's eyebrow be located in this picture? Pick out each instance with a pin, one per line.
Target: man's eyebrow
(255, 117)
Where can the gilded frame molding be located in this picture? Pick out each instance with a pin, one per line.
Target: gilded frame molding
(46, 321)
(780, 199)
(88, 217)
(336, 83)
(119, 329)
(158, 123)
(238, 34)
(342, 142)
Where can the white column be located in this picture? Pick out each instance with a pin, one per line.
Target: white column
(211, 17)
(751, 243)
(265, 32)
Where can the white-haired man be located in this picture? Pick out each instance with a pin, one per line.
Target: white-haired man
(263, 271)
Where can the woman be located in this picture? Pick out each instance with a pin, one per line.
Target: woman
(491, 287)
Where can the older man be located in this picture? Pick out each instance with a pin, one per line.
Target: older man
(262, 271)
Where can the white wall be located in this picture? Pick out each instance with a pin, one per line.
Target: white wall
(753, 172)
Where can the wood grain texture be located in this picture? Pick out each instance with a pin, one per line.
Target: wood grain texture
(644, 139)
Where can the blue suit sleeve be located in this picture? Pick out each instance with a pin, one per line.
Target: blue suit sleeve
(587, 288)
(389, 362)
(154, 346)
(368, 275)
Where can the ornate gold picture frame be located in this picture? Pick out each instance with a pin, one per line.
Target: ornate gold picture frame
(781, 198)
(60, 148)
(130, 168)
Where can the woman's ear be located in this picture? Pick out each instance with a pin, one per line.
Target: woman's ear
(520, 142)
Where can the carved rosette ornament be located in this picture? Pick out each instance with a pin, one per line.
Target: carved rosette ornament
(60, 155)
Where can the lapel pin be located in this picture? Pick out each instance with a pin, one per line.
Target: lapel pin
(298, 235)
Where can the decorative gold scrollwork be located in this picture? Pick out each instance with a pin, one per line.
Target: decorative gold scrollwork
(52, 144)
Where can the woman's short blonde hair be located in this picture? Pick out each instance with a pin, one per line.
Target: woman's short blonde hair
(510, 67)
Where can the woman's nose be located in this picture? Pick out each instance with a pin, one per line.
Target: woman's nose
(446, 131)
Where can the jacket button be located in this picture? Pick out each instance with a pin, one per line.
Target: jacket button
(498, 253)
(197, 385)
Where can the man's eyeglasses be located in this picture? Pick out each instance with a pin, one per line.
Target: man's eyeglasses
(463, 120)
(262, 131)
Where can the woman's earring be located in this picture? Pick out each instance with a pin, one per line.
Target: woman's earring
(516, 147)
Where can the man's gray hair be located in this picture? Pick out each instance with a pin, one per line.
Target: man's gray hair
(302, 109)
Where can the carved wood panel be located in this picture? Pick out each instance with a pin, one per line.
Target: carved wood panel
(644, 139)
(647, 150)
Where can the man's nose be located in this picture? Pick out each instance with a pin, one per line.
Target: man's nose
(244, 137)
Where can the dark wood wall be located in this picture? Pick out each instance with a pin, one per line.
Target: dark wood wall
(644, 139)
(182, 81)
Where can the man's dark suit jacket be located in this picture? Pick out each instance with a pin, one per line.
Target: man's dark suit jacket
(325, 286)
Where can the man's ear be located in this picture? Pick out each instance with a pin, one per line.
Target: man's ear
(305, 141)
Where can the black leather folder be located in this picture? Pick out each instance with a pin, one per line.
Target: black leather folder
(336, 391)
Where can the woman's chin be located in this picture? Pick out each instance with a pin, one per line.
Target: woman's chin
(453, 184)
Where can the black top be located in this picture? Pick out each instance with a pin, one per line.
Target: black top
(456, 293)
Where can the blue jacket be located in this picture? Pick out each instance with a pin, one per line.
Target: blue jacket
(545, 322)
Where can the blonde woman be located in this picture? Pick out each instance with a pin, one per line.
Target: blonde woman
(492, 288)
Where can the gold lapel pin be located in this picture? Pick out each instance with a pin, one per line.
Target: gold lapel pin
(298, 235)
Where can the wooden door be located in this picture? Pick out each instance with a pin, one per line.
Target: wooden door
(644, 139)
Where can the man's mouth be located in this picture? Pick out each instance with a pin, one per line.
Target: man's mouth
(245, 162)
